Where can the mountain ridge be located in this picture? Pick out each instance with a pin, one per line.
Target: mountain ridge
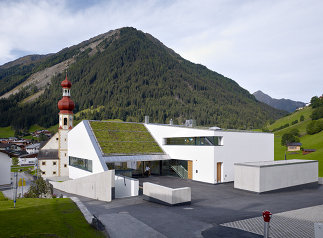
(132, 74)
(281, 104)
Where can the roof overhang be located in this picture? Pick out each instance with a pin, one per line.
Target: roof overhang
(128, 158)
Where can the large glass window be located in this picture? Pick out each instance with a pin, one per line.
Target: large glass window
(84, 164)
(200, 141)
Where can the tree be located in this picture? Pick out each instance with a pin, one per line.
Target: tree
(316, 102)
(38, 188)
(301, 118)
(317, 113)
(14, 161)
(289, 138)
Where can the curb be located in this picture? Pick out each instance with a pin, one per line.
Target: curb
(87, 215)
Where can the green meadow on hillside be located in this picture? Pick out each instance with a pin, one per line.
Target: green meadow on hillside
(308, 141)
(6, 132)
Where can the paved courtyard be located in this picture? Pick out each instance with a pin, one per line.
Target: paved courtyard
(216, 211)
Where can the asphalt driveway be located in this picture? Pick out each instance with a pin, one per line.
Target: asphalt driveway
(211, 206)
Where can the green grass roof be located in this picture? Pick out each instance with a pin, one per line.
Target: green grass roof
(124, 138)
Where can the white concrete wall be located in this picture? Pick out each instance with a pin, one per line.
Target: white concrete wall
(96, 186)
(80, 145)
(320, 180)
(267, 178)
(5, 163)
(126, 187)
(246, 178)
(237, 147)
(276, 177)
(168, 195)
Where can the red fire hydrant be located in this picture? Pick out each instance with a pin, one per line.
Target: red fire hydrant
(266, 215)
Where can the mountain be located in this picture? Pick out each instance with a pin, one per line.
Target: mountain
(281, 104)
(126, 74)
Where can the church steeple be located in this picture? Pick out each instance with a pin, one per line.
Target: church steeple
(66, 117)
(66, 105)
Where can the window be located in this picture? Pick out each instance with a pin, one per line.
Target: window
(84, 164)
(43, 163)
(43, 173)
(56, 138)
(199, 141)
(65, 165)
(65, 121)
(54, 172)
(65, 154)
(54, 163)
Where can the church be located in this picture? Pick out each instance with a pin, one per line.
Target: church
(53, 156)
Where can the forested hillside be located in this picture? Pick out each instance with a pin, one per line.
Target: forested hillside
(130, 74)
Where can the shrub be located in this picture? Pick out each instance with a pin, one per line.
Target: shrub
(301, 118)
(281, 127)
(317, 113)
(314, 127)
(294, 122)
(38, 188)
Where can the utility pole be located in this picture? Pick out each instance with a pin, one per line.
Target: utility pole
(15, 186)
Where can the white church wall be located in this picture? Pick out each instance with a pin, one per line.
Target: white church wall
(52, 144)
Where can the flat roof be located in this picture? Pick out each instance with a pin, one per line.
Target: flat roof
(210, 128)
(275, 163)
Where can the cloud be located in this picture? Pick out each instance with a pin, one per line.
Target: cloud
(274, 46)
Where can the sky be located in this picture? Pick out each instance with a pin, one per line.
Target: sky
(275, 46)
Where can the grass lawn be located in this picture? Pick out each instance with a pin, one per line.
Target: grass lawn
(22, 168)
(34, 217)
(6, 132)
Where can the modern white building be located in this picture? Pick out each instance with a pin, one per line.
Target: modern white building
(5, 165)
(206, 155)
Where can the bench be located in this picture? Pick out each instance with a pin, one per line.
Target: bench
(165, 195)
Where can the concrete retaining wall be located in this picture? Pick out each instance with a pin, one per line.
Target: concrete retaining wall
(320, 180)
(97, 186)
(126, 187)
(171, 196)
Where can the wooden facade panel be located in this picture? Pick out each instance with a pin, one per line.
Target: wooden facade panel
(218, 172)
(190, 169)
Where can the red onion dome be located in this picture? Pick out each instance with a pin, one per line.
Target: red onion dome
(66, 83)
(66, 104)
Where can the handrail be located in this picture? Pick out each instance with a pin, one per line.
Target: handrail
(180, 171)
